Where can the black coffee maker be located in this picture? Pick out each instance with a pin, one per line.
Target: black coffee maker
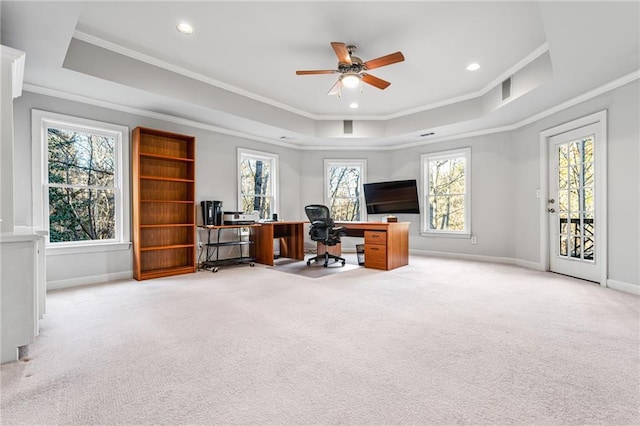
(211, 213)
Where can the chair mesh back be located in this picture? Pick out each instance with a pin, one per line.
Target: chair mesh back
(318, 212)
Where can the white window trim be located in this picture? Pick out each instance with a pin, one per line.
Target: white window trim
(443, 155)
(363, 179)
(40, 121)
(275, 172)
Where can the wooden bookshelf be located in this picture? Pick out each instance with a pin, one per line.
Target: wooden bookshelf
(164, 220)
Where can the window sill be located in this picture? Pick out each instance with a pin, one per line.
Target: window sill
(465, 235)
(86, 248)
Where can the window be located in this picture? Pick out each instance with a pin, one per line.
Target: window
(343, 188)
(257, 183)
(81, 177)
(446, 191)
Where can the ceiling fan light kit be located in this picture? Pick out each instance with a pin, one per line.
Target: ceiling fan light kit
(350, 80)
(352, 69)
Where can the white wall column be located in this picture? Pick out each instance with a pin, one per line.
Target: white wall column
(11, 74)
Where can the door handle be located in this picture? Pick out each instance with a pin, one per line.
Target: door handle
(551, 201)
(551, 210)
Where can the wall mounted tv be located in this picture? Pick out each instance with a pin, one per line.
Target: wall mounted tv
(400, 196)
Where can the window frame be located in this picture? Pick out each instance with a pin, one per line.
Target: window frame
(425, 159)
(274, 181)
(341, 162)
(40, 122)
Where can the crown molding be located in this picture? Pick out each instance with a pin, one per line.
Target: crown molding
(635, 75)
(88, 38)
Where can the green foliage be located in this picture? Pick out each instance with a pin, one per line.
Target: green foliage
(81, 170)
(446, 194)
(255, 176)
(344, 193)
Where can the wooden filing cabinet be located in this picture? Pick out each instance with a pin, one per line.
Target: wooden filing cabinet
(375, 249)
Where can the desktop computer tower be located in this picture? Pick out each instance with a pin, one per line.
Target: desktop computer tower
(211, 212)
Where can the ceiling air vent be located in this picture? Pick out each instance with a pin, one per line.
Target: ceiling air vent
(506, 89)
(348, 127)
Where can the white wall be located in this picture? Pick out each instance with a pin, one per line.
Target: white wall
(623, 180)
(215, 179)
(505, 177)
(491, 196)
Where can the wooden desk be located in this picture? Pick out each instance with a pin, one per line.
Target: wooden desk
(386, 245)
(290, 234)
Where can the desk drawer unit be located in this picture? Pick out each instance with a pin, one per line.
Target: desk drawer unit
(375, 249)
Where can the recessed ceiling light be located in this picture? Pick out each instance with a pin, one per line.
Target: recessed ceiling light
(184, 28)
(473, 67)
(353, 105)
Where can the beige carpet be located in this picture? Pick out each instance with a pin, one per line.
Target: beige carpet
(436, 342)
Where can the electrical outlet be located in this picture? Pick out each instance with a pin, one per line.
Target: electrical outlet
(537, 193)
(474, 239)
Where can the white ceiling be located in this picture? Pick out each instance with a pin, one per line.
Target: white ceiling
(237, 71)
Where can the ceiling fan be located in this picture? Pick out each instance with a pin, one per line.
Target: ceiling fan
(352, 69)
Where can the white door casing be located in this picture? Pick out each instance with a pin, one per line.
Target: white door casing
(573, 198)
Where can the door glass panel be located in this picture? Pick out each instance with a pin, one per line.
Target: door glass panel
(563, 245)
(576, 202)
(588, 199)
(588, 149)
(588, 174)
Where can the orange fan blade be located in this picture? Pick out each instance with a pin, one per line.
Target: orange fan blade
(315, 72)
(375, 81)
(335, 89)
(384, 60)
(341, 52)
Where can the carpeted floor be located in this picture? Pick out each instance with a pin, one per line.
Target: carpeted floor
(436, 342)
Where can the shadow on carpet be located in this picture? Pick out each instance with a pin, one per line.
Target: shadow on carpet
(315, 270)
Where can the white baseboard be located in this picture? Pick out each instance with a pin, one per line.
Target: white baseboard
(464, 256)
(93, 279)
(529, 265)
(622, 286)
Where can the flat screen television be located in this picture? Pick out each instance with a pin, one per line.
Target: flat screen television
(400, 196)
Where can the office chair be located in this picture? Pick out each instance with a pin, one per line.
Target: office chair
(323, 230)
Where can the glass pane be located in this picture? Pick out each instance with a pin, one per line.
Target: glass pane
(563, 245)
(255, 177)
(588, 199)
(446, 176)
(575, 157)
(587, 174)
(347, 209)
(574, 200)
(446, 213)
(563, 178)
(81, 214)
(588, 224)
(262, 205)
(588, 149)
(576, 247)
(589, 246)
(563, 201)
(574, 153)
(344, 181)
(574, 176)
(80, 158)
(564, 226)
(563, 156)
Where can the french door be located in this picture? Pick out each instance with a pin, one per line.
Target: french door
(577, 237)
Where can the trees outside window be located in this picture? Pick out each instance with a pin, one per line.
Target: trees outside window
(80, 187)
(81, 172)
(343, 189)
(446, 183)
(257, 182)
